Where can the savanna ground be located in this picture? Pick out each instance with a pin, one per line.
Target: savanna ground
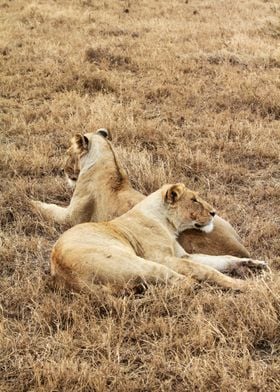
(190, 91)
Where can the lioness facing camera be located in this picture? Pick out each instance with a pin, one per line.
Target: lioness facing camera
(141, 245)
(103, 192)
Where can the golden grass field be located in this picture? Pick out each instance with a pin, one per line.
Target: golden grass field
(191, 92)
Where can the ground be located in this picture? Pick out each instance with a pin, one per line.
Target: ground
(190, 92)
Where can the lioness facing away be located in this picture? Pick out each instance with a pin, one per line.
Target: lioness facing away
(103, 192)
(141, 245)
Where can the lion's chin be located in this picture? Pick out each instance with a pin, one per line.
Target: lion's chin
(71, 183)
(208, 228)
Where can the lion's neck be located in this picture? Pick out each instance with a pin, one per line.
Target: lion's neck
(108, 187)
(153, 208)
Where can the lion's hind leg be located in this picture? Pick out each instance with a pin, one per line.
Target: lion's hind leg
(202, 272)
(124, 268)
(153, 272)
(87, 266)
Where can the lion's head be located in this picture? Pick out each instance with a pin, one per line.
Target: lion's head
(79, 148)
(186, 210)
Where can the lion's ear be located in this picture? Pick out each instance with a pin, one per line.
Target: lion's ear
(80, 143)
(104, 133)
(174, 193)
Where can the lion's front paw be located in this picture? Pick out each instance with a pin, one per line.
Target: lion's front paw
(40, 207)
(247, 267)
(37, 205)
(257, 264)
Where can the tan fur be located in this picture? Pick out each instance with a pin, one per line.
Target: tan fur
(103, 192)
(141, 245)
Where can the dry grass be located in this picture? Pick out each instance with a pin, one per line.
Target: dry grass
(190, 90)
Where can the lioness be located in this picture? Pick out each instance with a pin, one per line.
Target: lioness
(141, 245)
(103, 192)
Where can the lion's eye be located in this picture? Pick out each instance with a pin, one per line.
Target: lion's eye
(194, 200)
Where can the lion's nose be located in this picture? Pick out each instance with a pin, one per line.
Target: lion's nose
(213, 213)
